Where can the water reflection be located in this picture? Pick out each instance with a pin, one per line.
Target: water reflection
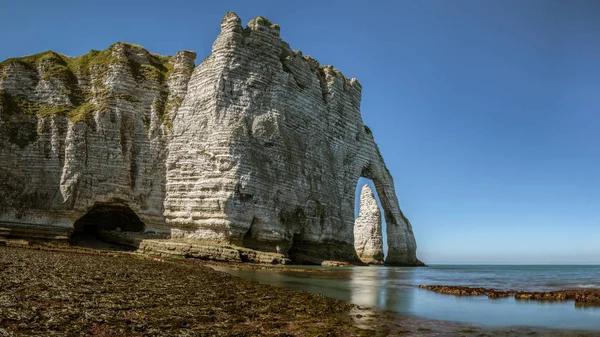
(335, 283)
(380, 287)
(395, 289)
(366, 288)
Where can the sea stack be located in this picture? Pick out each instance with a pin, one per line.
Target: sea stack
(368, 239)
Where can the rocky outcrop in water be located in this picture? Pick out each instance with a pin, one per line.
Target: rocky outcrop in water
(258, 146)
(368, 239)
(580, 296)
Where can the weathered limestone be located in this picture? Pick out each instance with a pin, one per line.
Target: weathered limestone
(368, 239)
(153, 244)
(77, 132)
(258, 146)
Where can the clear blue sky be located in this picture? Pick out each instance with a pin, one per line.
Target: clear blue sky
(487, 112)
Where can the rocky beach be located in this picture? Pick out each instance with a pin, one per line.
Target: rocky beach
(71, 291)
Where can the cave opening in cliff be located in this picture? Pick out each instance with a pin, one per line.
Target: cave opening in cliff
(298, 249)
(303, 252)
(101, 223)
(370, 222)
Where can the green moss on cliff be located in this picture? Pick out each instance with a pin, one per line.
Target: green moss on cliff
(82, 113)
(171, 106)
(5, 102)
(156, 69)
(55, 65)
(28, 61)
(96, 61)
(20, 131)
(49, 110)
(83, 77)
(66, 69)
(14, 105)
(151, 73)
(47, 66)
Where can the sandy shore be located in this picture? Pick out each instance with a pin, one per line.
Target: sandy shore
(82, 292)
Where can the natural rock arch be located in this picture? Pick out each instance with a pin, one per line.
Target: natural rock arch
(258, 145)
(400, 239)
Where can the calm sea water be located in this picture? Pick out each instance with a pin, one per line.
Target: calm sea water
(396, 289)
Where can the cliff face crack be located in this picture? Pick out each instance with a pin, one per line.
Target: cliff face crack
(323, 84)
(258, 145)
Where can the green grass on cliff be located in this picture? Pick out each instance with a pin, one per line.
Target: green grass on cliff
(65, 68)
(13, 105)
(83, 77)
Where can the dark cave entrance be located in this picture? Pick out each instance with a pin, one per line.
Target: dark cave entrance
(303, 252)
(297, 250)
(102, 218)
(249, 241)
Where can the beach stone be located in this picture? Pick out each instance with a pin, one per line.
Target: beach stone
(368, 239)
(258, 146)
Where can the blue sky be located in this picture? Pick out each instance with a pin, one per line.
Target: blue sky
(487, 112)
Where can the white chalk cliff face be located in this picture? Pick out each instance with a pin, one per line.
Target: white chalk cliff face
(368, 239)
(258, 146)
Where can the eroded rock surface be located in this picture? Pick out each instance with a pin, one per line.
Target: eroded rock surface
(258, 146)
(368, 239)
(76, 132)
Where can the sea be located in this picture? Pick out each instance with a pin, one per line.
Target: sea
(396, 289)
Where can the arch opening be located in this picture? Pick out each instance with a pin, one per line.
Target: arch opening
(89, 230)
(369, 224)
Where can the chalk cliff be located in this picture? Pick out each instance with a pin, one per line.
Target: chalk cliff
(258, 146)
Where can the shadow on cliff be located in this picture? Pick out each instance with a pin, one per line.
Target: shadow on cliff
(97, 228)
